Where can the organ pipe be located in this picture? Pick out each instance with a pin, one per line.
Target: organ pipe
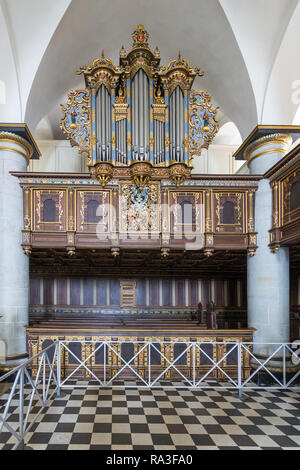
(121, 141)
(140, 115)
(103, 130)
(176, 113)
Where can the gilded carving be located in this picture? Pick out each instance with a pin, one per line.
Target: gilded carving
(235, 199)
(203, 125)
(76, 120)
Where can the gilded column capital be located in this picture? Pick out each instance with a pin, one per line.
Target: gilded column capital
(14, 143)
(269, 144)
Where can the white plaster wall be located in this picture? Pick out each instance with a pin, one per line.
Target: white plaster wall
(218, 159)
(58, 156)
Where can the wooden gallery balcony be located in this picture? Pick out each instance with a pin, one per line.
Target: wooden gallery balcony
(72, 213)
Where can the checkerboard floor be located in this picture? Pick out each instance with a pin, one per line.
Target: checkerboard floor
(165, 419)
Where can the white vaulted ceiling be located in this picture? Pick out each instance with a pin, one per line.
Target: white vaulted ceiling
(245, 47)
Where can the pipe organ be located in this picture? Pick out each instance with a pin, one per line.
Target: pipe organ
(140, 115)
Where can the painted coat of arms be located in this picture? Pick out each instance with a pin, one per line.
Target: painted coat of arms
(140, 208)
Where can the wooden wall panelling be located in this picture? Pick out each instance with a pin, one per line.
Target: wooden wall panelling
(48, 292)
(75, 292)
(62, 291)
(101, 286)
(34, 292)
(141, 292)
(88, 294)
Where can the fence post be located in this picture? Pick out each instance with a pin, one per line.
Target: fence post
(104, 365)
(149, 364)
(194, 364)
(44, 379)
(240, 369)
(284, 365)
(58, 368)
(21, 444)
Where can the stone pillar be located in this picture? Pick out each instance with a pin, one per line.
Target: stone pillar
(15, 153)
(268, 273)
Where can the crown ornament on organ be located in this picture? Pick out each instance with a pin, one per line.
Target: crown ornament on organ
(140, 115)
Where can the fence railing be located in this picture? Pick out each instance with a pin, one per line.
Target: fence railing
(238, 365)
(144, 364)
(29, 394)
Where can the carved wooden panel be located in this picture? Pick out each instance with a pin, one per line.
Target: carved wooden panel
(186, 212)
(229, 209)
(93, 211)
(128, 293)
(49, 210)
(291, 197)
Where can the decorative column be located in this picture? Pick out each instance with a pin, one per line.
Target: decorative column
(15, 153)
(165, 225)
(209, 238)
(267, 272)
(71, 223)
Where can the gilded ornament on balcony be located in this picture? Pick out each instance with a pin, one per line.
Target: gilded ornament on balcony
(208, 252)
(179, 172)
(165, 253)
(115, 252)
(71, 252)
(251, 252)
(103, 171)
(141, 172)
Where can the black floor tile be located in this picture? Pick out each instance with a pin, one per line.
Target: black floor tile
(162, 440)
(202, 440)
(65, 427)
(81, 438)
(102, 427)
(121, 439)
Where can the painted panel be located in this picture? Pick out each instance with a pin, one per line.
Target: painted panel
(180, 293)
(193, 292)
(88, 292)
(154, 293)
(167, 293)
(101, 292)
(61, 291)
(206, 291)
(141, 293)
(48, 292)
(219, 292)
(114, 293)
(75, 292)
(34, 292)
